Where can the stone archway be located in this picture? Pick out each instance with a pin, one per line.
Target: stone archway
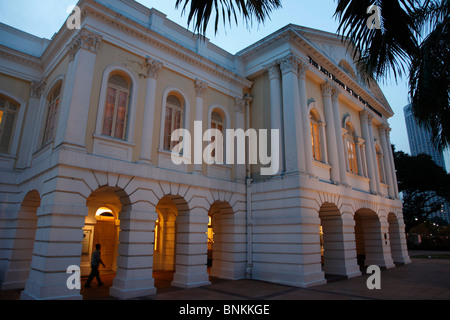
(226, 246)
(371, 238)
(397, 239)
(19, 264)
(337, 246)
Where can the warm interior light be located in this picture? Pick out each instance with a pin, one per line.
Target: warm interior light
(104, 213)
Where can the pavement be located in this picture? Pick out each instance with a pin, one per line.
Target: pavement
(423, 279)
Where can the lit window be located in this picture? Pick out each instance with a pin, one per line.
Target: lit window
(216, 123)
(351, 150)
(52, 115)
(315, 138)
(210, 234)
(116, 108)
(8, 112)
(173, 120)
(155, 246)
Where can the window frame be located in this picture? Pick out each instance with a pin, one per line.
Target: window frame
(4, 112)
(131, 111)
(351, 145)
(174, 110)
(53, 106)
(316, 139)
(118, 89)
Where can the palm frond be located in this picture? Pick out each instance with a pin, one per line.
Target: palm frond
(201, 11)
(384, 49)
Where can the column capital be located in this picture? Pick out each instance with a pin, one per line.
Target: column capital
(38, 88)
(242, 103)
(84, 39)
(274, 70)
(302, 68)
(365, 116)
(335, 92)
(289, 63)
(153, 67)
(200, 87)
(327, 89)
(384, 129)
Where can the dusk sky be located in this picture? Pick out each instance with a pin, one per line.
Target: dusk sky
(43, 18)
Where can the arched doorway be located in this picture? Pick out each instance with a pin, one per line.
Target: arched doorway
(102, 226)
(337, 246)
(164, 252)
(372, 242)
(22, 250)
(397, 238)
(226, 243)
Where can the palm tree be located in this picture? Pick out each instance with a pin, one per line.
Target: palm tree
(412, 39)
(227, 10)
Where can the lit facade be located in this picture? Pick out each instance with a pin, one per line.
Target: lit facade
(85, 158)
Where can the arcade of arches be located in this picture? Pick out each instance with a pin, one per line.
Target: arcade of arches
(174, 247)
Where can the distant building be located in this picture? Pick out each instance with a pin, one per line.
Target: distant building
(420, 142)
(420, 139)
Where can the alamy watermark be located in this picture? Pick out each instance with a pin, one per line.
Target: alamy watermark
(374, 21)
(214, 151)
(74, 19)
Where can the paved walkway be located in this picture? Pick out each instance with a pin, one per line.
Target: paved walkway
(423, 279)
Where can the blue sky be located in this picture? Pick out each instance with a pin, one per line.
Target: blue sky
(43, 18)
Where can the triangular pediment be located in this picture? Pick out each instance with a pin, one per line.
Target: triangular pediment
(340, 54)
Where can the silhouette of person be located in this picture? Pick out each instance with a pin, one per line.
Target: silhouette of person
(96, 260)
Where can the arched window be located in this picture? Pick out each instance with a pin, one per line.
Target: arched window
(52, 115)
(351, 149)
(315, 137)
(116, 107)
(8, 116)
(217, 122)
(173, 120)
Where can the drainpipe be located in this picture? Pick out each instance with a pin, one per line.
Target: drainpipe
(249, 270)
(248, 182)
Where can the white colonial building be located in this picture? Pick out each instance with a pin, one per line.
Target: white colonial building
(85, 125)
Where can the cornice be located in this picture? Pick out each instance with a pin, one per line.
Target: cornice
(292, 33)
(20, 57)
(177, 50)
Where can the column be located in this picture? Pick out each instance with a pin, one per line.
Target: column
(276, 117)
(358, 157)
(294, 145)
(330, 132)
(306, 124)
(153, 68)
(200, 88)
(338, 236)
(374, 156)
(57, 246)
(364, 115)
(191, 249)
(134, 275)
(27, 145)
(391, 159)
(376, 242)
(239, 111)
(76, 93)
(339, 142)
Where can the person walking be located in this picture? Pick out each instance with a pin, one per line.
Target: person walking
(96, 260)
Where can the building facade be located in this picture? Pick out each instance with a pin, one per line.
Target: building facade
(85, 158)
